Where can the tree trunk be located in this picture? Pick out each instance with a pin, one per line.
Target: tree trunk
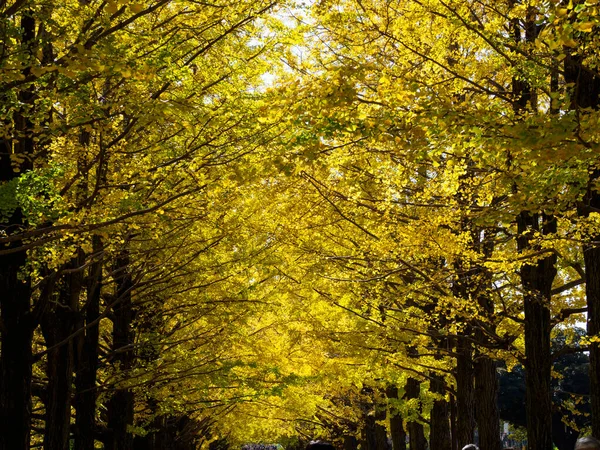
(592, 290)
(537, 278)
(397, 431)
(120, 406)
(87, 356)
(57, 325)
(564, 437)
(17, 359)
(439, 438)
(416, 434)
(586, 94)
(350, 442)
(453, 432)
(374, 434)
(16, 321)
(465, 394)
(487, 414)
(486, 392)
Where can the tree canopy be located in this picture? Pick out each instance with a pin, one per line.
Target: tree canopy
(244, 222)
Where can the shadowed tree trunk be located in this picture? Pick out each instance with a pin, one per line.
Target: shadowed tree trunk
(57, 325)
(350, 442)
(120, 406)
(586, 94)
(397, 431)
(537, 278)
(16, 321)
(487, 414)
(465, 394)
(486, 393)
(87, 355)
(564, 437)
(439, 438)
(416, 434)
(592, 289)
(374, 436)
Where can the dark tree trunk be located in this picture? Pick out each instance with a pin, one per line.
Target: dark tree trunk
(416, 434)
(486, 392)
(591, 257)
(586, 94)
(487, 414)
(453, 423)
(537, 278)
(350, 442)
(17, 360)
(57, 325)
(16, 321)
(564, 437)
(465, 394)
(120, 406)
(397, 431)
(374, 436)
(87, 356)
(439, 438)
(592, 290)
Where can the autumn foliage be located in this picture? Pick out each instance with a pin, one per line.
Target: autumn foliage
(227, 223)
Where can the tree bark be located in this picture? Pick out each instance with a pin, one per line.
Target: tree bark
(487, 414)
(486, 392)
(592, 289)
(439, 438)
(586, 94)
(397, 431)
(87, 356)
(537, 278)
(465, 394)
(416, 434)
(374, 436)
(350, 442)
(16, 321)
(120, 406)
(57, 325)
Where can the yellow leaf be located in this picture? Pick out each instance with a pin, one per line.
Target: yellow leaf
(112, 7)
(136, 7)
(586, 27)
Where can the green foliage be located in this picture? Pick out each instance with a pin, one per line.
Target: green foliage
(35, 194)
